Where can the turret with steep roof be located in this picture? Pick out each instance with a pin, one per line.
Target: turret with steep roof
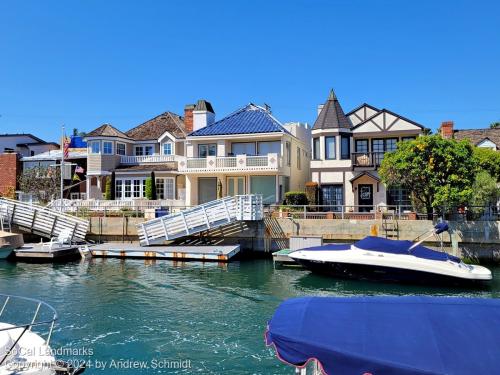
(332, 115)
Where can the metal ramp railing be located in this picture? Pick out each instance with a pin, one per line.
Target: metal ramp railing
(5, 219)
(206, 216)
(40, 220)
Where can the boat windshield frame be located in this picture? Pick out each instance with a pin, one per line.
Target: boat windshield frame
(38, 307)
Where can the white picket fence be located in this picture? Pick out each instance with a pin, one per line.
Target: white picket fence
(40, 220)
(206, 216)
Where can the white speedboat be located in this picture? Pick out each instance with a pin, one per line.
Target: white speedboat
(377, 258)
(25, 337)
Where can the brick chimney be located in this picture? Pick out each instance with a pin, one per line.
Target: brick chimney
(188, 117)
(446, 129)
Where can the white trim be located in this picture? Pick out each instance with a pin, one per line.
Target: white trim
(168, 135)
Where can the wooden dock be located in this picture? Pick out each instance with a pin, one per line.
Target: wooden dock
(214, 253)
(36, 253)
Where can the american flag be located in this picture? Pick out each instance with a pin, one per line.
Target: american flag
(79, 169)
(66, 147)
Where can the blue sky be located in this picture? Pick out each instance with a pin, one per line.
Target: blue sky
(84, 63)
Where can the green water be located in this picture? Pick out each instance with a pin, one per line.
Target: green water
(212, 315)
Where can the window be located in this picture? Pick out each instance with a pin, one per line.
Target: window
(137, 188)
(271, 147)
(143, 150)
(398, 196)
(330, 148)
(265, 185)
(95, 147)
(361, 145)
(205, 150)
(332, 195)
(243, 148)
(167, 149)
(120, 149)
(107, 147)
(128, 189)
(118, 189)
(284, 186)
(299, 164)
(32, 153)
(380, 146)
(316, 150)
(345, 147)
(165, 188)
(288, 153)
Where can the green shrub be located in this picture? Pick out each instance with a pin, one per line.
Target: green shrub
(149, 188)
(108, 189)
(312, 192)
(295, 198)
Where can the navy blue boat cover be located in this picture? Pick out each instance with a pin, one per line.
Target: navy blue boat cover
(389, 335)
(390, 246)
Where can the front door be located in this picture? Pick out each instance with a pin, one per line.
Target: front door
(207, 189)
(236, 185)
(365, 198)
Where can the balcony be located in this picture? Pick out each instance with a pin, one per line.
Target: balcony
(367, 160)
(145, 159)
(238, 163)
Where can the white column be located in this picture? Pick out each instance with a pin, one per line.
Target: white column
(87, 186)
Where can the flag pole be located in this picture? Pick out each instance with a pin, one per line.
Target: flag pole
(63, 141)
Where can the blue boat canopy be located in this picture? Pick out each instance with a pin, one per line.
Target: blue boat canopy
(389, 335)
(385, 245)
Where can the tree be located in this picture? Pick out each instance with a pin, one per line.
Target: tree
(439, 172)
(149, 188)
(488, 160)
(108, 190)
(153, 186)
(42, 183)
(495, 125)
(486, 191)
(113, 186)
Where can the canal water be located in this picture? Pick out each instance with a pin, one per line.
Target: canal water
(201, 318)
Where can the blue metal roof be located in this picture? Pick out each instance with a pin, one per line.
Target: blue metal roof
(247, 120)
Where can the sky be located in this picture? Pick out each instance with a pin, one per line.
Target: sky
(85, 63)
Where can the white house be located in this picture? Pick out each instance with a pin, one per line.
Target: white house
(348, 149)
(248, 151)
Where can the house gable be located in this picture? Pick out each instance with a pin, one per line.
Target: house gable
(386, 121)
(361, 113)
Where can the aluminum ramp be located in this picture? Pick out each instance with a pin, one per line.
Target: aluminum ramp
(197, 219)
(41, 220)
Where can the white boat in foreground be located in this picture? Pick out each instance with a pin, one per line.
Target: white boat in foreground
(377, 258)
(25, 337)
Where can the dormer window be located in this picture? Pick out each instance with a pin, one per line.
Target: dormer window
(167, 149)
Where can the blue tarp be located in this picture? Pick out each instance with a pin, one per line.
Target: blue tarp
(402, 247)
(389, 335)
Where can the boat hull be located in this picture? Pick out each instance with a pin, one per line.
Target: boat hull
(382, 273)
(5, 252)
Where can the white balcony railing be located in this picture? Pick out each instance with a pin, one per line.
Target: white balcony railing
(269, 162)
(130, 159)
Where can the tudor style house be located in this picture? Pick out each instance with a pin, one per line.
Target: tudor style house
(133, 155)
(248, 151)
(347, 151)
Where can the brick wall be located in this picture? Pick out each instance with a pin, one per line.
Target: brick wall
(10, 168)
(188, 117)
(446, 129)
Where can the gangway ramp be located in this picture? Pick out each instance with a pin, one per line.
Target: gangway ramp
(200, 218)
(41, 220)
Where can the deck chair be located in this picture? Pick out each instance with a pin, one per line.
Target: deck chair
(64, 238)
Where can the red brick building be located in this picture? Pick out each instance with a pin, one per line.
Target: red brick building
(10, 168)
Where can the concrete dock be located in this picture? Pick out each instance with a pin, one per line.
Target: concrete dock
(215, 253)
(36, 253)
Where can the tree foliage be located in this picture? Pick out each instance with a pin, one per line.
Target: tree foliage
(488, 160)
(149, 188)
(42, 183)
(495, 125)
(108, 189)
(486, 190)
(439, 172)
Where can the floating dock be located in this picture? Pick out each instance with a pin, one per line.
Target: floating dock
(215, 253)
(281, 257)
(36, 253)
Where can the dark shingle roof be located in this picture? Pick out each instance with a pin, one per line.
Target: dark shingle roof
(154, 128)
(332, 115)
(147, 167)
(106, 130)
(478, 135)
(247, 120)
